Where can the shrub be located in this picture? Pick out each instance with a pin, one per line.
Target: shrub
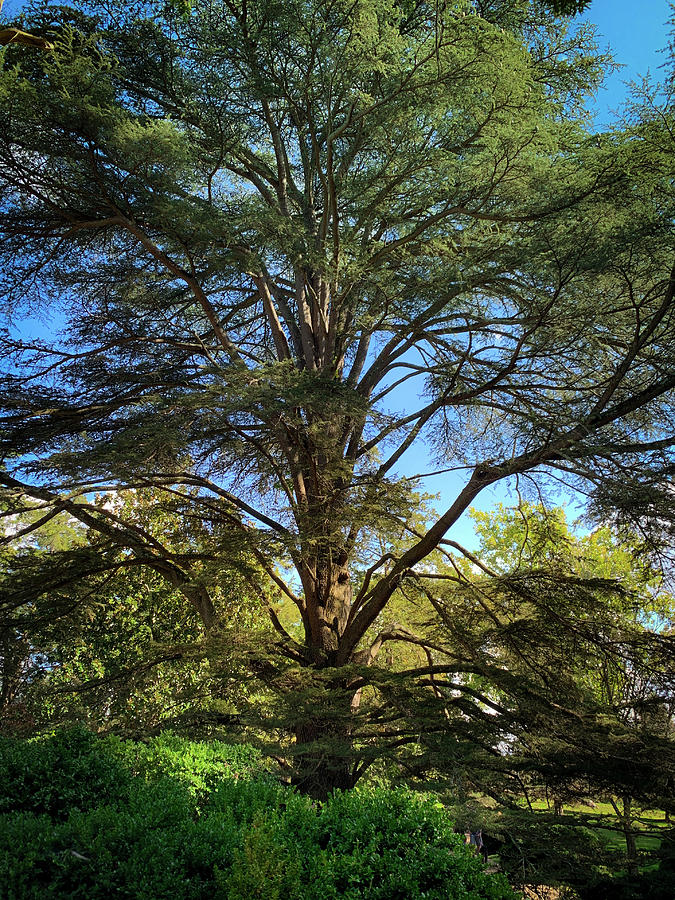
(395, 845)
(70, 770)
(150, 848)
(376, 845)
(263, 867)
(102, 818)
(26, 855)
(201, 766)
(78, 770)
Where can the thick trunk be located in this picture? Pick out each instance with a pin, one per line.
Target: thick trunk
(324, 759)
(328, 597)
(334, 598)
(323, 762)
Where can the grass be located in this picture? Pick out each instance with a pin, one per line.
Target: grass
(602, 818)
(645, 820)
(614, 840)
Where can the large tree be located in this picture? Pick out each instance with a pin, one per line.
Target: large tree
(259, 222)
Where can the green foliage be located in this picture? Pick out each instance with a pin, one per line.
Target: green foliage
(115, 647)
(142, 849)
(537, 849)
(199, 766)
(166, 830)
(53, 776)
(254, 220)
(567, 7)
(75, 769)
(566, 639)
(263, 867)
(386, 843)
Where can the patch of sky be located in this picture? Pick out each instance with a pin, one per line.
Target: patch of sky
(636, 34)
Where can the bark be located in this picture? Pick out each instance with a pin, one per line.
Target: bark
(333, 602)
(629, 834)
(625, 816)
(323, 762)
(324, 759)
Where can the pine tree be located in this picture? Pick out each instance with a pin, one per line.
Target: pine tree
(258, 219)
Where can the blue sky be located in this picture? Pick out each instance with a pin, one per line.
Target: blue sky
(636, 32)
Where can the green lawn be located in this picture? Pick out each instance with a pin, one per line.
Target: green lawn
(602, 818)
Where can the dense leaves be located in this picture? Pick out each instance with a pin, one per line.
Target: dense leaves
(552, 662)
(90, 638)
(251, 837)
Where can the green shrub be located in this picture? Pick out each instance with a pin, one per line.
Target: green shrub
(149, 848)
(395, 845)
(263, 867)
(167, 825)
(26, 855)
(78, 770)
(246, 798)
(379, 845)
(54, 775)
(199, 765)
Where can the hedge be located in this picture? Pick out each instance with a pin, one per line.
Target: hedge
(87, 817)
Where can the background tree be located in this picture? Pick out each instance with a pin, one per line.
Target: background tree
(259, 220)
(24, 657)
(554, 669)
(94, 639)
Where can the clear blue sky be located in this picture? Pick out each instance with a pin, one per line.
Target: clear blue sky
(636, 31)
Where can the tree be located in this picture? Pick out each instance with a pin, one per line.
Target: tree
(551, 674)
(563, 674)
(23, 655)
(259, 220)
(121, 650)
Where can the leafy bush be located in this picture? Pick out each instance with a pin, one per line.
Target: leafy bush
(376, 845)
(161, 822)
(26, 854)
(199, 765)
(69, 770)
(149, 848)
(395, 844)
(78, 770)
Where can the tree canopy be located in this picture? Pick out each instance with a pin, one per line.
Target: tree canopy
(253, 224)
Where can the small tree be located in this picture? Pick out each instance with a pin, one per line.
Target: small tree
(558, 658)
(121, 649)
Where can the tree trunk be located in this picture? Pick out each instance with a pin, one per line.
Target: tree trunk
(333, 599)
(323, 757)
(625, 817)
(324, 760)
(629, 834)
